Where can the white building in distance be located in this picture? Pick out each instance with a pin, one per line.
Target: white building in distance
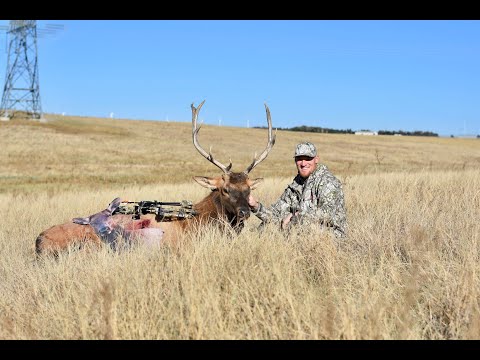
(366, 132)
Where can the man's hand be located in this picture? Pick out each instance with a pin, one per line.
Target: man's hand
(252, 202)
(286, 221)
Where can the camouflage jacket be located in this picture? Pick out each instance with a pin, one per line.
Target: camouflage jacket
(319, 198)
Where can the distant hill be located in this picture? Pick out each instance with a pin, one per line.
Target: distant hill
(74, 152)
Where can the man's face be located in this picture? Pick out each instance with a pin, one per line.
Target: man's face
(306, 165)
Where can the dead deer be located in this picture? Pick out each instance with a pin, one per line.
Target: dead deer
(226, 206)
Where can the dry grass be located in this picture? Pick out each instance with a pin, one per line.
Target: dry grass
(408, 270)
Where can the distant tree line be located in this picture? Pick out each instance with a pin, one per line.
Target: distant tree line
(313, 129)
(316, 129)
(407, 133)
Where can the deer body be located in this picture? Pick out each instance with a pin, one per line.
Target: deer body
(225, 206)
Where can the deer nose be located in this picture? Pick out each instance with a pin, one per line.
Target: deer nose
(243, 213)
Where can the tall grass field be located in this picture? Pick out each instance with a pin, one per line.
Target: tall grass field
(408, 269)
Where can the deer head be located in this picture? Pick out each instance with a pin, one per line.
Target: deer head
(232, 189)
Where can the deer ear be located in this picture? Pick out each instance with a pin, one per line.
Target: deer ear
(82, 221)
(255, 182)
(209, 183)
(114, 204)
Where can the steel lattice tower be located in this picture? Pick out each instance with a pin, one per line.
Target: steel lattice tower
(21, 91)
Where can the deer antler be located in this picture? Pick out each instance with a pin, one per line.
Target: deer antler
(195, 130)
(271, 142)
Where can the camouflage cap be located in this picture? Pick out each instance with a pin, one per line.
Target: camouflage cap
(305, 149)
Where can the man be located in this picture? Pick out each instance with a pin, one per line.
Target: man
(314, 196)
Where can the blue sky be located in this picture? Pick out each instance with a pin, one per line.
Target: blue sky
(343, 74)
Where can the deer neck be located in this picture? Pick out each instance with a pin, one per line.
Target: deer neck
(211, 209)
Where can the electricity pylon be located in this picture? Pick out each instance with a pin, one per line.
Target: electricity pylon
(21, 91)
